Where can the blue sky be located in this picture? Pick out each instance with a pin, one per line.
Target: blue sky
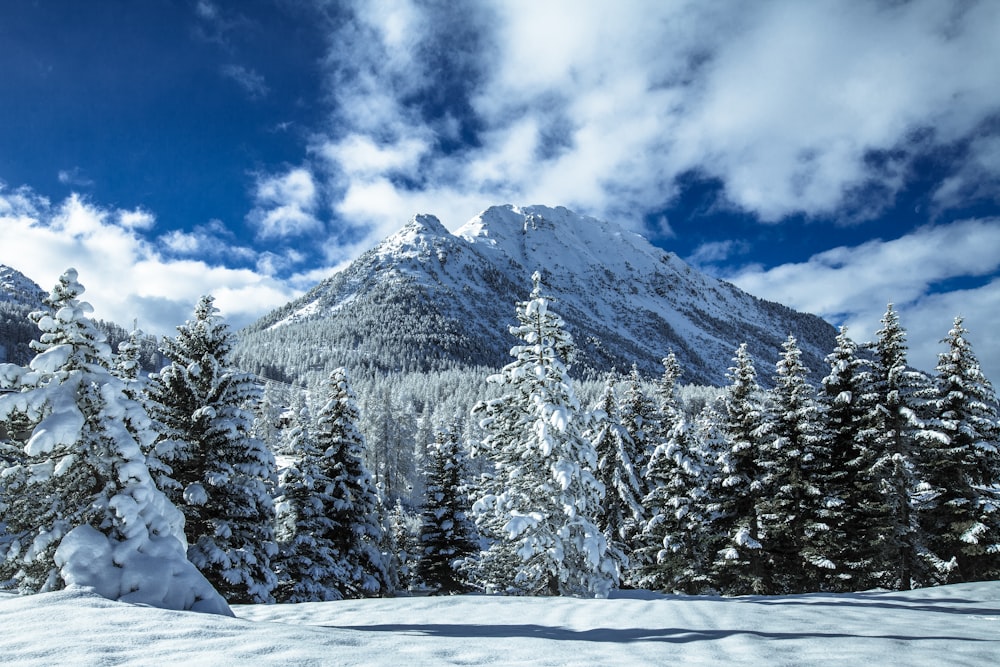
(831, 155)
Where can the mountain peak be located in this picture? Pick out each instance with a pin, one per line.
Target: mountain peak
(428, 299)
(15, 287)
(422, 232)
(425, 223)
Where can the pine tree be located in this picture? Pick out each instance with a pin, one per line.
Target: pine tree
(739, 566)
(307, 564)
(79, 502)
(895, 460)
(543, 497)
(643, 420)
(219, 475)
(850, 433)
(794, 519)
(356, 510)
(400, 546)
(674, 541)
(962, 521)
(447, 533)
(620, 515)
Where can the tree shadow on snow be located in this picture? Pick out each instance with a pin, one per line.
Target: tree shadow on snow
(880, 601)
(613, 635)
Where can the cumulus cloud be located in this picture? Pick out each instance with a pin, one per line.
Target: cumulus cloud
(852, 285)
(213, 240)
(139, 219)
(285, 205)
(798, 108)
(127, 277)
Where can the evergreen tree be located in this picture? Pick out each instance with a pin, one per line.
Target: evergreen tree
(794, 518)
(856, 532)
(400, 546)
(642, 421)
(895, 459)
(355, 510)
(543, 497)
(127, 366)
(216, 472)
(739, 564)
(962, 521)
(447, 534)
(307, 564)
(620, 515)
(674, 541)
(79, 503)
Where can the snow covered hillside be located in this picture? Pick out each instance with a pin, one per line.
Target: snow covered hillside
(19, 295)
(950, 625)
(15, 287)
(426, 299)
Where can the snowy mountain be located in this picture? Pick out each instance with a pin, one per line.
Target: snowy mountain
(17, 288)
(425, 299)
(19, 295)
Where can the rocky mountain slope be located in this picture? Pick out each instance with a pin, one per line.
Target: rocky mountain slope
(19, 295)
(426, 299)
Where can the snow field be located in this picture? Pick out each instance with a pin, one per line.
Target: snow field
(949, 625)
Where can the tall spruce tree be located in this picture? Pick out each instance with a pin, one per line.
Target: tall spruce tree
(218, 474)
(642, 419)
(355, 507)
(794, 513)
(307, 563)
(542, 501)
(620, 515)
(962, 520)
(670, 549)
(895, 461)
(674, 541)
(850, 431)
(447, 533)
(739, 566)
(79, 503)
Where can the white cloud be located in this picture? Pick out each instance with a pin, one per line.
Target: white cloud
(126, 276)
(715, 252)
(359, 155)
(74, 177)
(853, 285)
(251, 81)
(601, 107)
(286, 205)
(137, 219)
(212, 240)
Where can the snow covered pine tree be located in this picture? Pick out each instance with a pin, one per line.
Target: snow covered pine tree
(447, 534)
(739, 567)
(621, 512)
(962, 466)
(543, 498)
(80, 505)
(307, 563)
(353, 502)
(213, 469)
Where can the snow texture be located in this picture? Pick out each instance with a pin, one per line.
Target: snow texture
(950, 625)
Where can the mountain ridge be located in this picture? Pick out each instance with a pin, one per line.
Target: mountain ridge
(425, 298)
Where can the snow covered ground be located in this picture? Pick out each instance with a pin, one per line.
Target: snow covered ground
(950, 625)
